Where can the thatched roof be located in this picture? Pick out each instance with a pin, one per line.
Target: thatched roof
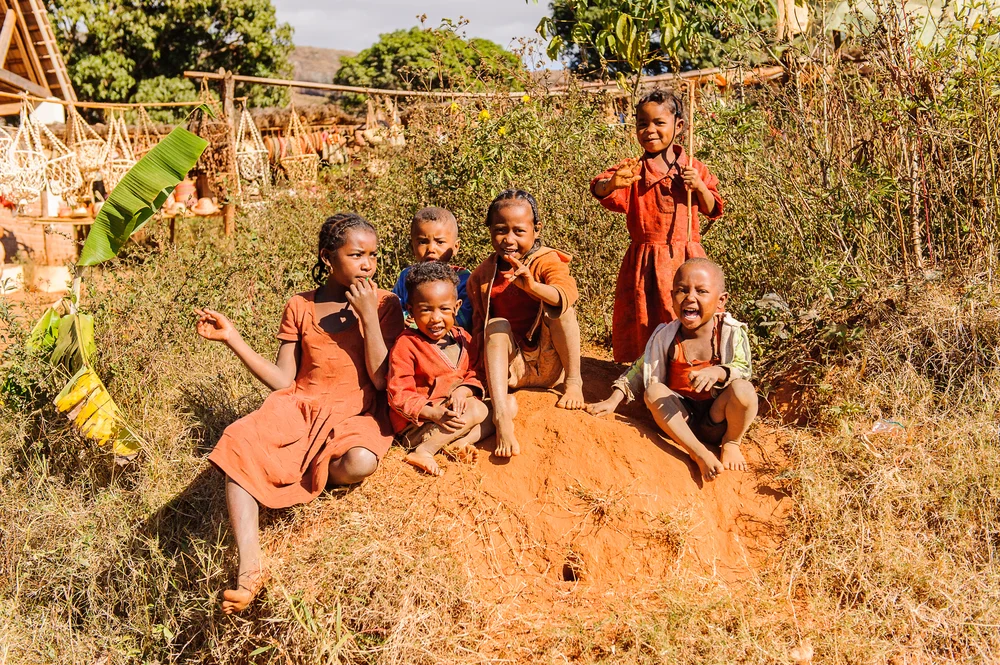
(30, 60)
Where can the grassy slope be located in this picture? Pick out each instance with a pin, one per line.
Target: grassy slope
(890, 556)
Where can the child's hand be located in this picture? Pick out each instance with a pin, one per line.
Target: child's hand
(705, 379)
(447, 419)
(522, 277)
(459, 399)
(607, 407)
(626, 173)
(692, 180)
(363, 297)
(214, 326)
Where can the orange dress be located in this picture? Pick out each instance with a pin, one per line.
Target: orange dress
(281, 452)
(656, 215)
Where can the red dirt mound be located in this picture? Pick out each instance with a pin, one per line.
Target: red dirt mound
(601, 506)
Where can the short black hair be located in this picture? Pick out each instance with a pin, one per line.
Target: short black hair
(510, 196)
(662, 96)
(706, 263)
(434, 214)
(431, 271)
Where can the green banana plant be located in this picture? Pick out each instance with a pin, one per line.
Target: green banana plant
(65, 333)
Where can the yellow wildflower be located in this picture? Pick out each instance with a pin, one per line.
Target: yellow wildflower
(484, 115)
(454, 107)
(502, 131)
(526, 99)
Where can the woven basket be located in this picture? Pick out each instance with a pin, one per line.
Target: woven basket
(301, 169)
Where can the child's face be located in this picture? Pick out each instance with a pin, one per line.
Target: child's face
(355, 260)
(512, 230)
(433, 241)
(656, 126)
(433, 306)
(697, 296)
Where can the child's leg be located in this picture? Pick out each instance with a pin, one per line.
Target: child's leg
(737, 404)
(499, 349)
(480, 416)
(352, 467)
(566, 340)
(434, 438)
(669, 413)
(244, 517)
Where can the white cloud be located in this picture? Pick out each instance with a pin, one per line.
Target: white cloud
(353, 25)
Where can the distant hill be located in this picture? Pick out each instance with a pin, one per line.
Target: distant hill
(311, 63)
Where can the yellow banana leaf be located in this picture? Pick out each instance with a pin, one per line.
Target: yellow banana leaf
(87, 403)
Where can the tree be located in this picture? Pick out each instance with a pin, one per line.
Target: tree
(630, 37)
(422, 59)
(114, 48)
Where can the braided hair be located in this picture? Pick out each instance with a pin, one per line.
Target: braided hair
(665, 97)
(332, 236)
(509, 196)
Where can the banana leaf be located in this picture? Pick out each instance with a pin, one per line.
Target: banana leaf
(75, 346)
(140, 193)
(43, 336)
(87, 403)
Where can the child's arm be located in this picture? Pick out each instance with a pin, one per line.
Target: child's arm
(625, 173)
(277, 375)
(363, 297)
(524, 280)
(625, 388)
(706, 186)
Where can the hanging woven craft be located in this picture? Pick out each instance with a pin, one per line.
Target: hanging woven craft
(300, 163)
(86, 143)
(61, 171)
(396, 138)
(26, 161)
(118, 157)
(251, 154)
(374, 132)
(146, 135)
(6, 173)
(216, 160)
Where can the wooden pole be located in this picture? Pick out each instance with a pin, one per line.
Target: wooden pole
(690, 151)
(229, 112)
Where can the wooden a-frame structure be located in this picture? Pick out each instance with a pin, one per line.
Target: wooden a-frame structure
(30, 60)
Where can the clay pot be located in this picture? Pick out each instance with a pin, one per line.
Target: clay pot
(185, 193)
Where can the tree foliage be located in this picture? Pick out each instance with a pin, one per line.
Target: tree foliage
(113, 48)
(423, 59)
(627, 37)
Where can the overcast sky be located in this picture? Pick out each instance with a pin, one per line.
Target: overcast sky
(353, 25)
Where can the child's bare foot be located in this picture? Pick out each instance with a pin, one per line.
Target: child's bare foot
(710, 465)
(732, 457)
(466, 454)
(248, 586)
(572, 397)
(424, 461)
(507, 445)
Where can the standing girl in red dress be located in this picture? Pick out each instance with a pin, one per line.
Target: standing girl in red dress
(321, 425)
(652, 192)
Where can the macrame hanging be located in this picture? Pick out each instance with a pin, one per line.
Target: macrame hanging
(26, 161)
(86, 143)
(146, 135)
(251, 154)
(61, 171)
(396, 138)
(118, 156)
(300, 163)
(374, 133)
(216, 160)
(6, 174)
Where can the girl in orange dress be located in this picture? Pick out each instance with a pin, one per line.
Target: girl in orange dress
(321, 426)
(652, 192)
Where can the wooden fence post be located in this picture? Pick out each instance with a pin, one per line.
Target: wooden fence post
(231, 178)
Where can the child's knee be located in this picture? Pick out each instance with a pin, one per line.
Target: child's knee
(498, 331)
(360, 462)
(553, 314)
(476, 411)
(654, 393)
(744, 393)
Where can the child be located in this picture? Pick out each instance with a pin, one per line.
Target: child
(434, 386)
(522, 309)
(319, 427)
(696, 372)
(652, 192)
(434, 237)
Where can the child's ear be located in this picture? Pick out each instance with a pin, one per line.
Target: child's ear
(722, 302)
(324, 256)
(458, 304)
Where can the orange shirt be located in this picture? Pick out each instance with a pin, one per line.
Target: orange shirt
(511, 302)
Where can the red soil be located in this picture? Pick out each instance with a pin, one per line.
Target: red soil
(600, 506)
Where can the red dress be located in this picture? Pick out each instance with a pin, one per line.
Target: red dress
(281, 452)
(656, 216)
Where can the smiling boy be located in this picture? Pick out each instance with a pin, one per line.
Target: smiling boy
(696, 372)
(434, 237)
(434, 387)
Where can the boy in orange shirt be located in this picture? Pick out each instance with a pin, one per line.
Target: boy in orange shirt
(434, 386)
(522, 309)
